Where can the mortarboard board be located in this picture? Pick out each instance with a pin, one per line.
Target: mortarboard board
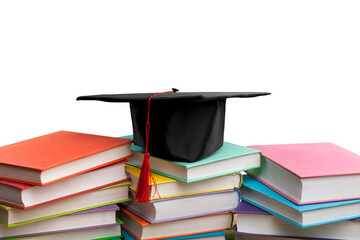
(185, 126)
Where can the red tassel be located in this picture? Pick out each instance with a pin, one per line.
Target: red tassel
(143, 190)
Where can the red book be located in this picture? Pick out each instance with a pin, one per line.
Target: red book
(59, 155)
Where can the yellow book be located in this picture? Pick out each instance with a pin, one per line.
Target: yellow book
(167, 187)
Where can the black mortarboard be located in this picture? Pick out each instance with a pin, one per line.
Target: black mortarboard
(185, 126)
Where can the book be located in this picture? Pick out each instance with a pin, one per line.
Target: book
(217, 235)
(308, 215)
(310, 172)
(230, 158)
(168, 187)
(141, 229)
(25, 196)
(59, 155)
(170, 209)
(253, 221)
(112, 232)
(241, 236)
(97, 217)
(11, 217)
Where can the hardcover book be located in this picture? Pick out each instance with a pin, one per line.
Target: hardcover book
(250, 217)
(167, 187)
(25, 196)
(308, 215)
(114, 194)
(309, 172)
(141, 229)
(93, 218)
(241, 236)
(217, 235)
(59, 155)
(229, 159)
(170, 209)
(112, 232)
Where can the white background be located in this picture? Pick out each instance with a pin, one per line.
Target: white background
(306, 53)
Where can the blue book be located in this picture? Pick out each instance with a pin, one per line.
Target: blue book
(209, 235)
(230, 158)
(306, 215)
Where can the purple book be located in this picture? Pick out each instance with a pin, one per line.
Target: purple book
(245, 207)
(132, 192)
(218, 206)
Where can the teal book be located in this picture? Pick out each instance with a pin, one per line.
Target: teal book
(209, 235)
(305, 215)
(230, 158)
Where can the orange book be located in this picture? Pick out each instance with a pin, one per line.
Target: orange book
(59, 155)
(141, 229)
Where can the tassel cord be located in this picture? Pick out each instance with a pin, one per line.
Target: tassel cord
(144, 187)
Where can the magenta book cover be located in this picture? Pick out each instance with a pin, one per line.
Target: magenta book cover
(307, 160)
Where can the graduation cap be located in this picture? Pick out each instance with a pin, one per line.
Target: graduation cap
(185, 126)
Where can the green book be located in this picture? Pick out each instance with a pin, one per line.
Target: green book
(117, 193)
(106, 232)
(230, 158)
(100, 217)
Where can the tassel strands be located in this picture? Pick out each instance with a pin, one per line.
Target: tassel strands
(143, 190)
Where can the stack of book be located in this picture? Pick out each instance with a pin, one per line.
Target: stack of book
(308, 190)
(63, 185)
(190, 200)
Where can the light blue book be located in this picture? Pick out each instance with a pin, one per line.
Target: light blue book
(306, 215)
(209, 235)
(229, 159)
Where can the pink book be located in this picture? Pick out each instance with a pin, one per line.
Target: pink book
(309, 172)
